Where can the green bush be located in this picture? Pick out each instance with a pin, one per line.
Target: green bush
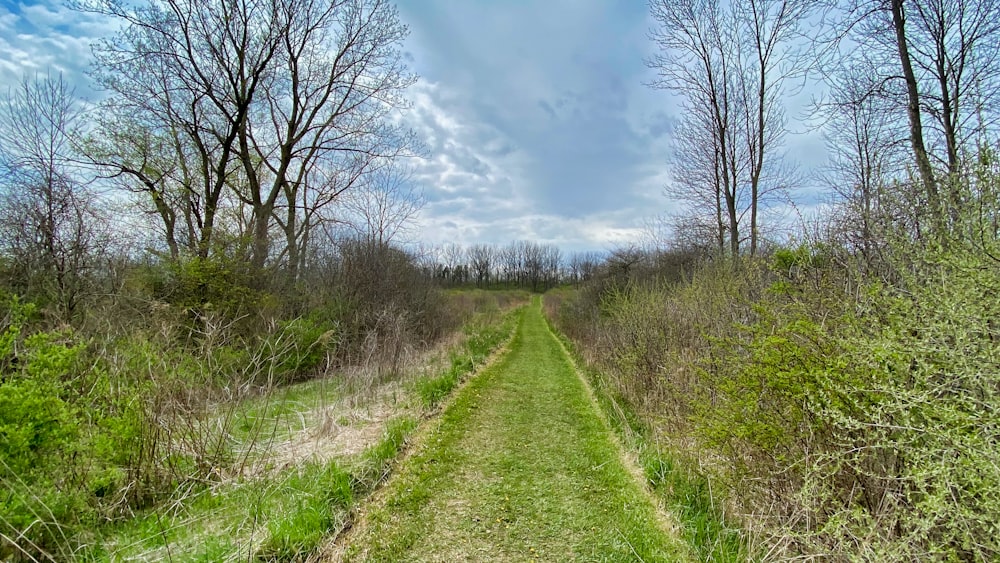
(761, 387)
(919, 430)
(195, 282)
(301, 345)
(36, 423)
(41, 437)
(36, 427)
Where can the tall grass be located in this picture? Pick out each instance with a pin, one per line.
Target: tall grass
(674, 478)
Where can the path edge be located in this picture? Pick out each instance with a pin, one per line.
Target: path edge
(665, 519)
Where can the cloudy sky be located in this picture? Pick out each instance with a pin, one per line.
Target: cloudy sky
(535, 113)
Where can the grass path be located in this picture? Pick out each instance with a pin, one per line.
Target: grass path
(521, 466)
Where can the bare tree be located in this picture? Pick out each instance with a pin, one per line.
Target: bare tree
(453, 257)
(384, 206)
(539, 264)
(696, 60)
(523, 264)
(190, 71)
(480, 258)
(583, 265)
(283, 103)
(866, 156)
(509, 262)
(731, 62)
(771, 27)
(551, 265)
(49, 221)
(934, 63)
(338, 72)
(530, 261)
(699, 178)
(954, 47)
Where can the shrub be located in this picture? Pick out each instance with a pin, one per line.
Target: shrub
(40, 437)
(385, 302)
(36, 426)
(917, 430)
(297, 347)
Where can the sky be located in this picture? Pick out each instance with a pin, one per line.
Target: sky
(536, 116)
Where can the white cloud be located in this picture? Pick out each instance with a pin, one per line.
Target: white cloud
(468, 158)
(535, 115)
(48, 36)
(479, 184)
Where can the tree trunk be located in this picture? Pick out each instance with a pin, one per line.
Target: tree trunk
(757, 166)
(923, 162)
(720, 223)
(261, 235)
(291, 236)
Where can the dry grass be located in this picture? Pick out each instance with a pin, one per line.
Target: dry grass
(340, 430)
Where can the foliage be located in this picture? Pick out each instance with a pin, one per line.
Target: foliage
(916, 430)
(300, 346)
(40, 434)
(201, 284)
(845, 413)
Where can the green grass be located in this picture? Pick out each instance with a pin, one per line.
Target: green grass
(521, 467)
(689, 496)
(297, 533)
(278, 515)
(282, 517)
(279, 414)
(272, 518)
(377, 460)
(481, 339)
(685, 492)
(275, 514)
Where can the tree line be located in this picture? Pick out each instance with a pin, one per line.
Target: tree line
(519, 264)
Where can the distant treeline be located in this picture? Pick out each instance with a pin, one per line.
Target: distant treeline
(520, 264)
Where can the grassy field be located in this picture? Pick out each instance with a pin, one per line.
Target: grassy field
(301, 458)
(521, 466)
